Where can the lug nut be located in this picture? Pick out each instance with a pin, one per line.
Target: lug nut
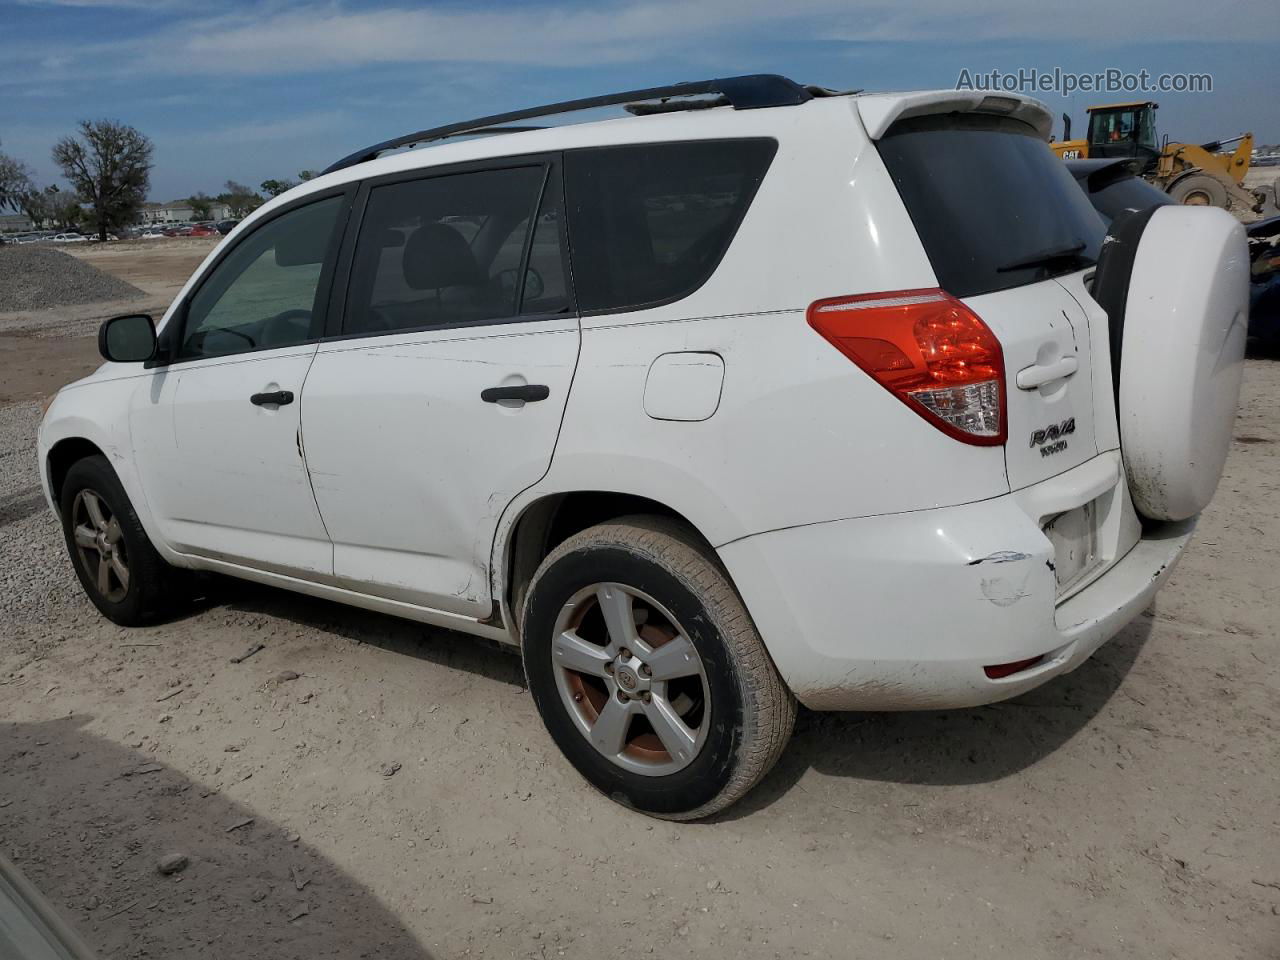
(623, 697)
(624, 653)
(644, 668)
(646, 696)
(608, 667)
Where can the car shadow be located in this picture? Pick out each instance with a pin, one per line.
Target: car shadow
(88, 820)
(952, 747)
(1262, 349)
(448, 648)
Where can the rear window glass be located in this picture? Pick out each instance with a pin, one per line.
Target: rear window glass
(993, 206)
(649, 223)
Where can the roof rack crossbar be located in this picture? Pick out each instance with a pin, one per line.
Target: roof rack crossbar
(742, 93)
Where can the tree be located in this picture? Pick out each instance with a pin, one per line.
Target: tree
(240, 198)
(66, 211)
(273, 188)
(305, 175)
(15, 180)
(109, 166)
(201, 206)
(38, 205)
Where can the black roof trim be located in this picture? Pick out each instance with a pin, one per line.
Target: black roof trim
(750, 92)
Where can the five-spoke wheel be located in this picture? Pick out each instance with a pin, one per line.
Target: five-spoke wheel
(120, 570)
(100, 542)
(631, 678)
(648, 672)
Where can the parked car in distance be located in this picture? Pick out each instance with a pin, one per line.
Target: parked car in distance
(68, 238)
(203, 230)
(226, 226)
(783, 434)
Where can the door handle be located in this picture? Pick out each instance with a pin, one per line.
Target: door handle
(528, 392)
(1029, 378)
(274, 398)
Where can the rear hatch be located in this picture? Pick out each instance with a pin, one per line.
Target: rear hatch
(1009, 232)
(1000, 218)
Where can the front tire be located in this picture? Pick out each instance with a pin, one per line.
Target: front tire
(648, 672)
(119, 569)
(1201, 190)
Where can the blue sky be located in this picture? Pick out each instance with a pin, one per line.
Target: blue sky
(248, 91)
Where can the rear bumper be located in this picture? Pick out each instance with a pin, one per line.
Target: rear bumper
(902, 612)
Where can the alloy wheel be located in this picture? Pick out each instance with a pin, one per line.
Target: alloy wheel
(631, 679)
(100, 544)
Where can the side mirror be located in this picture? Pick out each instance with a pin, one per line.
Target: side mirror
(128, 339)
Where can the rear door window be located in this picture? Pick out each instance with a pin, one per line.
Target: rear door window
(649, 223)
(448, 250)
(994, 208)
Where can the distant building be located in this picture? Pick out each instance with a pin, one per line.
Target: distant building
(15, 223)
(179, 211)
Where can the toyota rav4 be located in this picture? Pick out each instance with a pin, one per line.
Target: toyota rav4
(850, 400)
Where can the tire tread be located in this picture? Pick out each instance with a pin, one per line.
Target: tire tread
(769, 707)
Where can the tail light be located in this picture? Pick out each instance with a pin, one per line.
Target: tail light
(930, 351)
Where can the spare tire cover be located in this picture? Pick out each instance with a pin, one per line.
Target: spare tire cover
(1185, 325)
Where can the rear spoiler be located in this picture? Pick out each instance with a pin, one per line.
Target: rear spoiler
(879, 111)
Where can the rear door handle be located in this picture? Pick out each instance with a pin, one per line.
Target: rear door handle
(1029, 378)
(528, 392)
(275, 397)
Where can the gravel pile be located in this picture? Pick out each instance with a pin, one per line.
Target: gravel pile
(33, 277)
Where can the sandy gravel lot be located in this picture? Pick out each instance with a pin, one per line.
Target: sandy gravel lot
(1131, 809)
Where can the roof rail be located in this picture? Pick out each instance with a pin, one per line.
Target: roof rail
(742, 93)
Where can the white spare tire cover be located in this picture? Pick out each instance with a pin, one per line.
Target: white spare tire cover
(1185, 324)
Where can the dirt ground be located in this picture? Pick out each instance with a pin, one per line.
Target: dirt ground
(1131, 809)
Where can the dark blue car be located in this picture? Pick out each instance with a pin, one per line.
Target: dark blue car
(1113, 187)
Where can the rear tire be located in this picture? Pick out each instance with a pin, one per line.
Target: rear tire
(678, 735)
(119, 569)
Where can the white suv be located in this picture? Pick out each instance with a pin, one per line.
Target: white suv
(797, 396)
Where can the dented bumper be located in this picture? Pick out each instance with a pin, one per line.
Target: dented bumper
(903, 612)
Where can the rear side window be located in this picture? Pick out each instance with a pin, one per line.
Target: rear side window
(993, 206)
(649, 223)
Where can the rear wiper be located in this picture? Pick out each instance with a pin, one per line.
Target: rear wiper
(1048, 258)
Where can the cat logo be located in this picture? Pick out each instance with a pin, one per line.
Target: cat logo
(1050, 438)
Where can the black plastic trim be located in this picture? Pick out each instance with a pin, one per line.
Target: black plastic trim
(1111, 279)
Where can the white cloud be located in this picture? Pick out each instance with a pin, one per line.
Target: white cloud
(315, 37)
(293, 128)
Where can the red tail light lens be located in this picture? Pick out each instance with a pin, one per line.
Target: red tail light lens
(930, 351)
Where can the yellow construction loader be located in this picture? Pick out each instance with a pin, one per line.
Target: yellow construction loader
(1190, 173)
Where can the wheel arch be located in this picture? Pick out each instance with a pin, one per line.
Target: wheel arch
(544, 523)
(61, 457)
